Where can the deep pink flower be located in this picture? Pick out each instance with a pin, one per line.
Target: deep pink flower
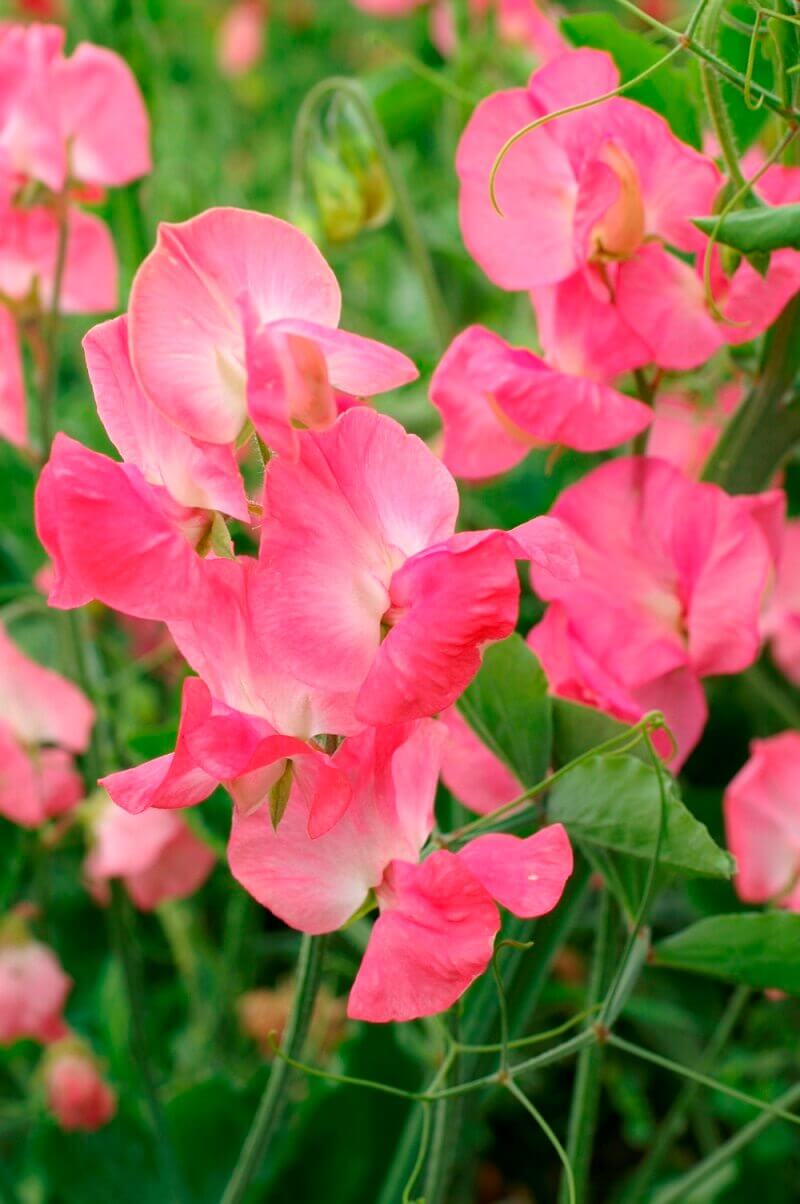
(781, 623)
(672, 575)
(438, 918)
(77, 1094)
(156, 855)
(686, 427)
(358, 543)
(79, 118)
(33, 990)
(13, 415)
(471, 772)
(497, 402)
(762, 821)
(235, 314)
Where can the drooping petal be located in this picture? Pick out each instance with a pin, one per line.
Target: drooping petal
(526, 876)
(187, 343)
(355, 364)
(434, 936)
(113, 537)
(471, 772)
(195, 474)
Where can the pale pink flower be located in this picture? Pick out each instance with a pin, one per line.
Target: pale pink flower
(13, 413)
(497, 402)
(240, 38)
(438, 918)
(38, 705)
(33, 990)
(235, 314)
(471, 772)
(77, 1094)
(156, 855)
(762, 821)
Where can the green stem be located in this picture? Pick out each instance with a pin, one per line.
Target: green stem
(715, 101)
(126, 953)
(52, 328)
(569, 1178)
(675, 1121)
(763, 430)
(680, 1189)
(443, 1143)
(586, 1090)
(404, 206)
(273, 1102)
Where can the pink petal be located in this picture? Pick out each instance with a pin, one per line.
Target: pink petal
(434, 936)
(29, 252)
(753, 302)
(136, 560)
(198, 474)
(525, 876)
(13, 412)
(472, 773)
(39, 705)
(583, 332)
(762, 820)
(451, 600)
(316, 884)
(355, 364)
(102, 117)
(548, 544)
(534, 178)
(187, 342)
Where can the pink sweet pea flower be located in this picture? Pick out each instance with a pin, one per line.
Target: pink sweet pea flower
(35, 784)
(497, 402)
(240, 39)
(781, 622)
(13, 413)
(686, 427)
(77, 1094)
(762, 821)
(156, 855)
(38, 705)
(471, 772)
(672, 575)
(438, 918)
(33, 989)
(405, 604)
(80, 118)
(516, 21)
(600, 182)
(235, 314)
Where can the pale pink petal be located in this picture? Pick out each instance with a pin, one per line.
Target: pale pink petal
(355, 364)
(317, 884)
(29, 241)
(182, 868)
(187, 342)
(102, 117)
(13, 413)
(526, 876)
(762, 820)
(195, 474)
(33, 991)
(113, 537)
(434, 936)
(752, 302)
(535, 178)
(39, 705)
(240, 38)
(472, 773)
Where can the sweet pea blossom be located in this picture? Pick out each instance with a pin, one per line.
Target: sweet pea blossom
(241, 36)
(156, 855)
(235, 315)
(77, 1094)
(781, 621)
(33, 989)
(358, 535)
(497, 402)
(438, 917)
(762, 821)
(672, 575)
(686, 426)
(611, 188)
(65, 119)
(44, 719)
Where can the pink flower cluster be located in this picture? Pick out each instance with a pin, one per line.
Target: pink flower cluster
(61, 146)
(363, 615)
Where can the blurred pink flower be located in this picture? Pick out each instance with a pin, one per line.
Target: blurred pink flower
(686, 428)
(241, 35)
(33, 989)
(77, 1094)
(470, 771)
(781, 622)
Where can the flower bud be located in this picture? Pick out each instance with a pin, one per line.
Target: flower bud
(77, 1094)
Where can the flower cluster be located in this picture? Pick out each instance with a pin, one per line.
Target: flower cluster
(362, 616)
(61, 147)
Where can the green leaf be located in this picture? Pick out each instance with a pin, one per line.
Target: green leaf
(762, 229)
(613, 802)
(758, 949)
(671, 91)
(508, 706)
(577, 729)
